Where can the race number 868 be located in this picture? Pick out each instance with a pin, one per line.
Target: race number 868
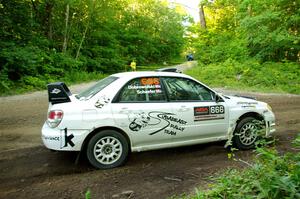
(217, 109)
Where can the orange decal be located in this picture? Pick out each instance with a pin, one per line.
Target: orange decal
(150, 81)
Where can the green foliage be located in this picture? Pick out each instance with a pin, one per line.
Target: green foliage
(266, 30)
(214, 47)
(29, 83)
(248, 44)
(272, 175)
(88, 194)
(268, 76)
(46, 40)
(76, 76)
(271, 28)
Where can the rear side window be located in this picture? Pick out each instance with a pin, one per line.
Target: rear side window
(145, 89)
(90, 92)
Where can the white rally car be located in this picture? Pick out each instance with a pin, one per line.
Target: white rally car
(139, 111)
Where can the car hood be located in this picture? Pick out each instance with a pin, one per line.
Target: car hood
(242, 101)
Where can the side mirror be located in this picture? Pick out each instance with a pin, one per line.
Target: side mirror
(219, 98)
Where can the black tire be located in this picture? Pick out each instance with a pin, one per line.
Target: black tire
(246, 134)
(110, 154)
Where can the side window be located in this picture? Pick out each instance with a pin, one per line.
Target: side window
(145, 89)
(181, 89)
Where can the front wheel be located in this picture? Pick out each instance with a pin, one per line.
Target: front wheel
(247, 133)
(107, 149)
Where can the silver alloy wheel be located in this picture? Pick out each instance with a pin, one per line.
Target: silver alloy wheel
(248, 133)
(108, 150)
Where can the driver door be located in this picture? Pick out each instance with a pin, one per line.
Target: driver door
(196, 104)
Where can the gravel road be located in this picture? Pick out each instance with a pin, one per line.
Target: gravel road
(30, 170)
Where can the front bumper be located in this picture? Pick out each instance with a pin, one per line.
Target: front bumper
(63, 139)
(270, 123)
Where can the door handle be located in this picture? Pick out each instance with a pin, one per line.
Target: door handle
(124, 110)
(183, 109)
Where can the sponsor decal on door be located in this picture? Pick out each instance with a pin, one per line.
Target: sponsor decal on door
(203, 113)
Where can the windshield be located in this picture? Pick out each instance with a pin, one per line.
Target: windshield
(90, 92)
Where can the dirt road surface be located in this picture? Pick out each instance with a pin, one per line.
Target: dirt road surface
(29, 170)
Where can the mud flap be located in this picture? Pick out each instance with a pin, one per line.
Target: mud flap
(230, 132)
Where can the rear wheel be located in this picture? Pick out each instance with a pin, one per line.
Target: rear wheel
(107, 149)
(247, 133)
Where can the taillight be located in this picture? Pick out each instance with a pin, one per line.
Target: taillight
(54, 118)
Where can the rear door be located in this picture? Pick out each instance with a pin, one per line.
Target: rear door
(142, 110)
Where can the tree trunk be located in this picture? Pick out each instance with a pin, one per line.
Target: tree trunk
(90, 13)
(44, 17)
(34, 13)
(202, 17)
(82, 39)
(50, 30)
(34, 7)
(65, 44)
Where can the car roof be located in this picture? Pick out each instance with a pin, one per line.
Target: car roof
(148, 73)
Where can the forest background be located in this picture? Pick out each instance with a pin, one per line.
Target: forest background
(241, 44)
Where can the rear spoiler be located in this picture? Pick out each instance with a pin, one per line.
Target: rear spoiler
(172, 69)
(58, 92)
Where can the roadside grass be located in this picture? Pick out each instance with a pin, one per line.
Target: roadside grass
(250, 75)
(31, 84)
(151, 67)
(148, 68)
(271, 175)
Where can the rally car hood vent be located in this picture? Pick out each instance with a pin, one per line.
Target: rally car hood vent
(58, 92)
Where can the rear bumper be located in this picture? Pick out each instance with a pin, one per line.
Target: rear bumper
(63, 139)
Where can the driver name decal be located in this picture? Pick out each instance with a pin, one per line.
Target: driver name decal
(203, 113)
(147, 86)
